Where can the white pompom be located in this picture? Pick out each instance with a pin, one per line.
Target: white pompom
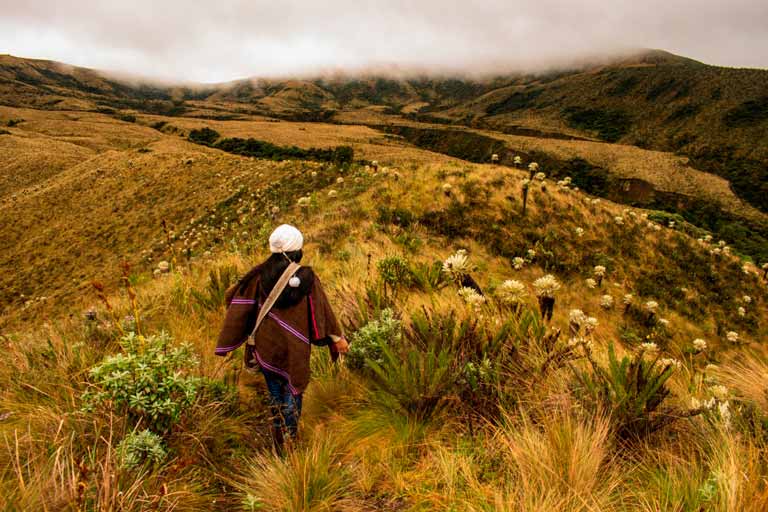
(294, 282)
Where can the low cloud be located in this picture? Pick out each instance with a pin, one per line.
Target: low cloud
(226, 40)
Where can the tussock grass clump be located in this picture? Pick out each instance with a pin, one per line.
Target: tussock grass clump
(311, 477)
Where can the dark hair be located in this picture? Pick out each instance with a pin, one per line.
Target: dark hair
(271, 270)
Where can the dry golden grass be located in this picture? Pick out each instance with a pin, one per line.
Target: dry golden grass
(664, 171)
(89, 200)
(547, 455)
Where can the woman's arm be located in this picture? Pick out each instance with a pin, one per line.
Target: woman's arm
(323, 324)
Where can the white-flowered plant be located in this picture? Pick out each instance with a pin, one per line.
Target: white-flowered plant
(546, 286)
(590, 324)
(304, 201)
(627, 299)
(471, 297)
(732, 336)
(517, 160)
(742, 311)
(577, 317)
(579, 232)
(591, 283)
(599, 271)
(746, 299)
(699, 345)
(668, 361)
(540, 176)
(619, 220)
(511, 292)
(606, 302)
(651, 306)
(649, 346)
(723, 408)
(719, 391)
(518, 262)
(332, 194)
(457, 265)
(664, 322)
(531, 254)
(533, 167)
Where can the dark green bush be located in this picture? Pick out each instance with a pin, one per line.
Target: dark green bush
(749, 113)
(205, 136)
(261, 149)
(610, 125)
(397, 216)
(395, 272)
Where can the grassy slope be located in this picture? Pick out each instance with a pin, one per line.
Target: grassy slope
(82, 192)
(358, 453)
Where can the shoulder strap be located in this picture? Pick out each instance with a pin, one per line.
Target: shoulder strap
(274, 294)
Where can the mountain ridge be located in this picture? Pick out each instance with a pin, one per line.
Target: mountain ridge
(656, 100)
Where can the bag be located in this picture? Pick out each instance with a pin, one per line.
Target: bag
(272, 298)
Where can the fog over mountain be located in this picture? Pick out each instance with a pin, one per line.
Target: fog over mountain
(215, 42)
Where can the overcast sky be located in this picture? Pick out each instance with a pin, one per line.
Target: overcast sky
(221, 40)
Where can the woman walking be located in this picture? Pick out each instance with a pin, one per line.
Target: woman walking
(279, 310)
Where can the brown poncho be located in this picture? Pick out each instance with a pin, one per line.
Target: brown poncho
(283, 342)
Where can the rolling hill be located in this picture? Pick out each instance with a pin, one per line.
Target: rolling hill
(717, 117)
(613, 360)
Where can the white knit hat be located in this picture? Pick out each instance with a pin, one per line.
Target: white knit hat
(285, 238)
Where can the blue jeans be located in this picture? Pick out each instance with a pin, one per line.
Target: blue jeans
(286, 407)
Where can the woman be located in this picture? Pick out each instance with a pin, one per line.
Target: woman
(300, 317)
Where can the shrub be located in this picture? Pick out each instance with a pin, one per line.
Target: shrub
(262, 149)
(205, 136)
(138, 448)
(212, 296)
(147, 381)
(478, 354)
(128, 118)
(394, 272)
(429, 277)
(633, 389)
(413, 382)
(749, 113)
(366, 344)
(610, 125)
(397, 216)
